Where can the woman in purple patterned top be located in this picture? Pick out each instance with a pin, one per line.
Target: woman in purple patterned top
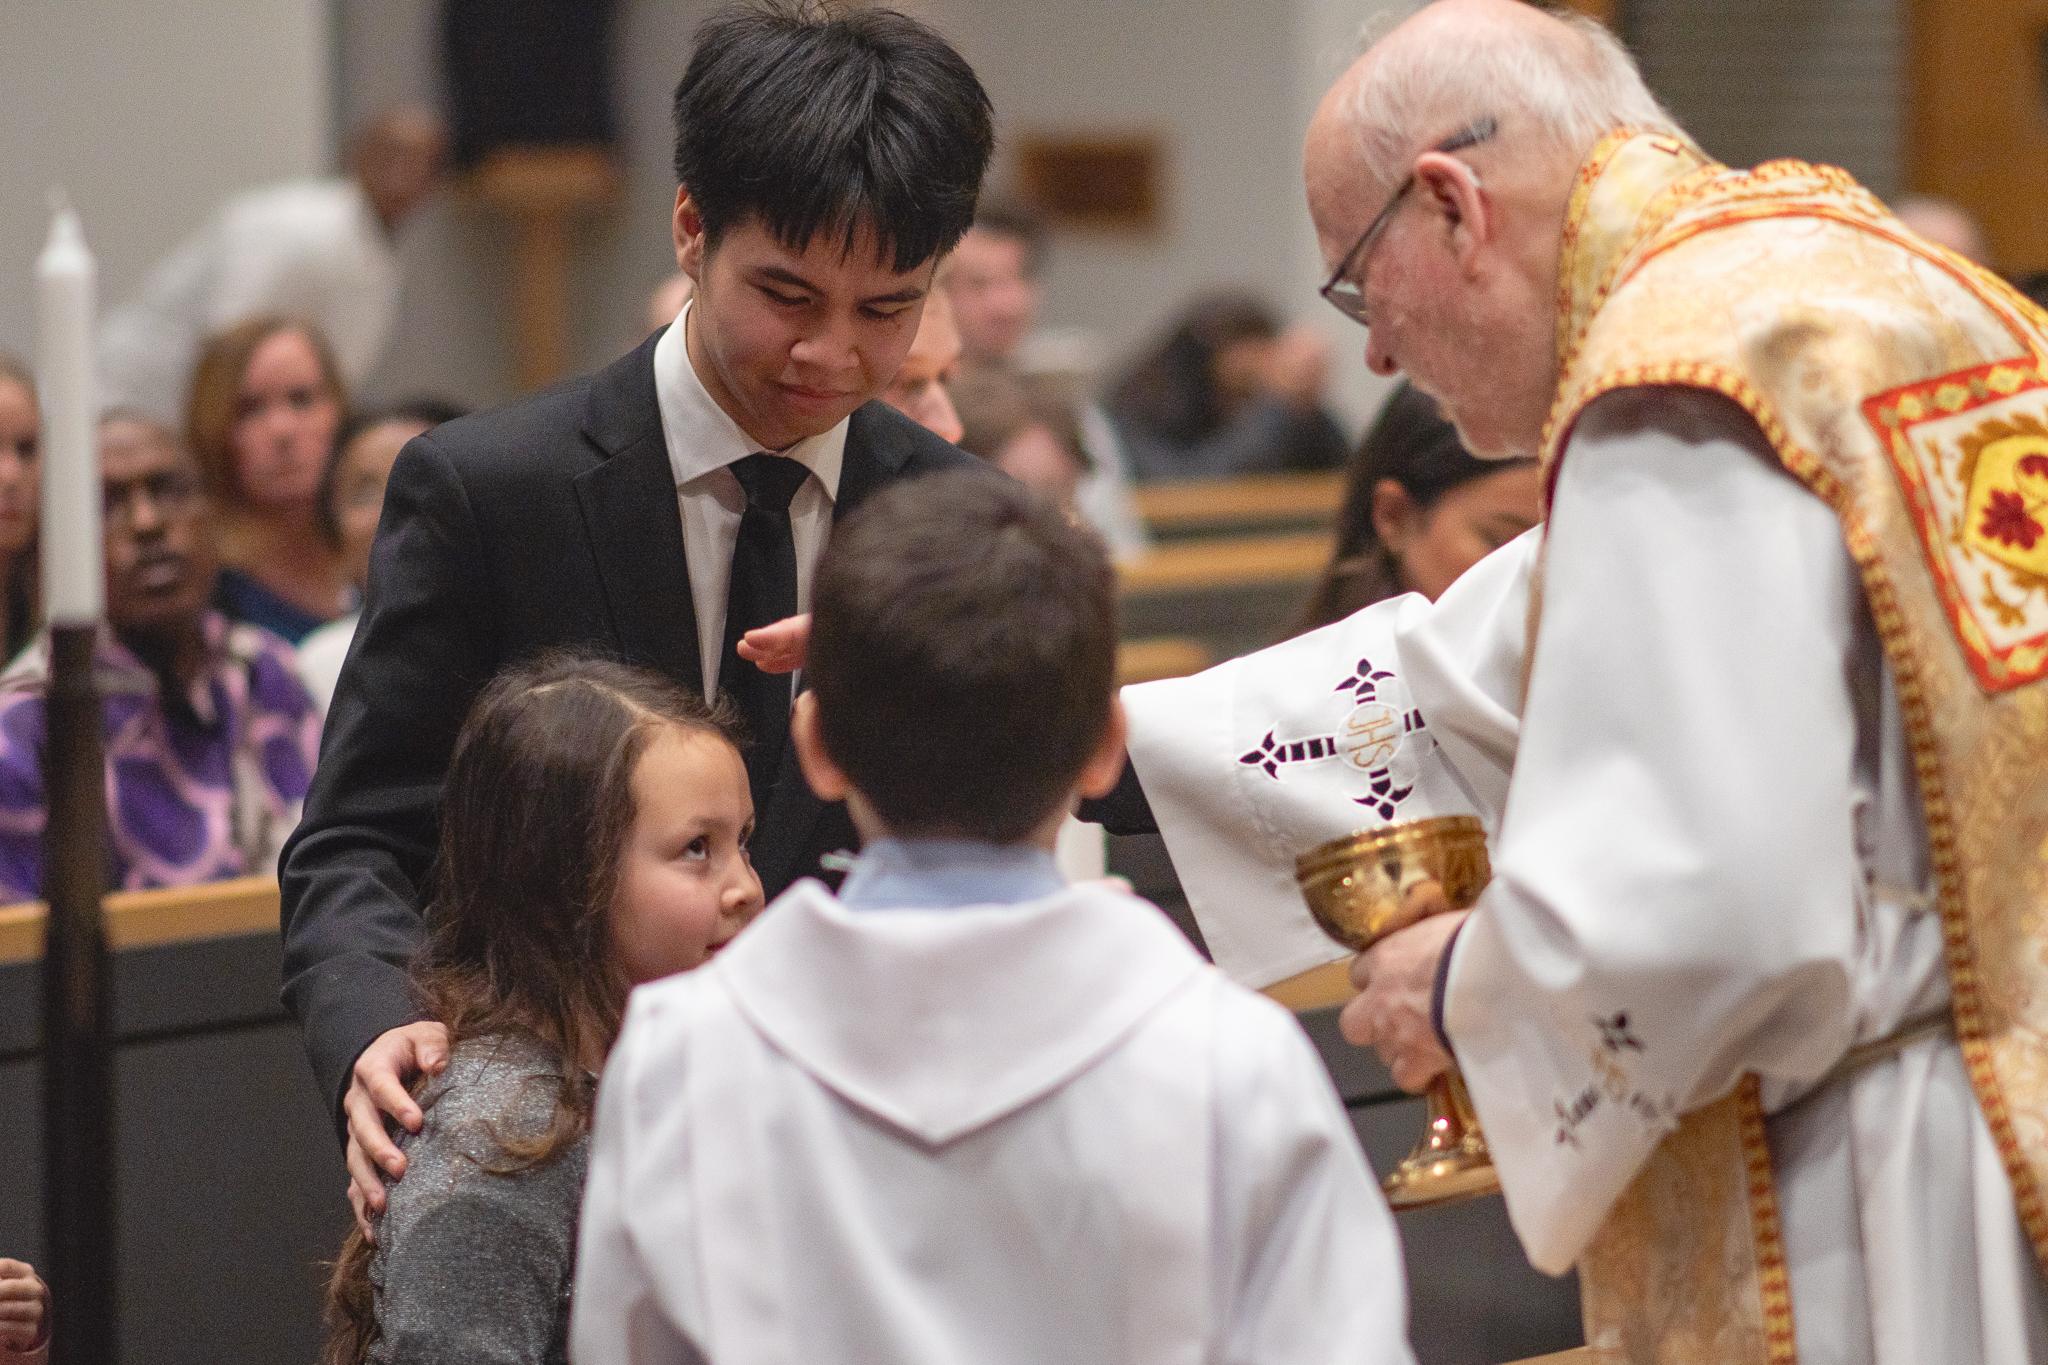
(210, 738)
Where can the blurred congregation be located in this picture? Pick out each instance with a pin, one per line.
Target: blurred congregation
(342, 238)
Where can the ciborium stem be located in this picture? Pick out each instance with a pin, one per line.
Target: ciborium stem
(1360, 890)
(1451, 1161)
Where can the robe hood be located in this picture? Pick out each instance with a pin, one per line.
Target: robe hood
(941, 1022)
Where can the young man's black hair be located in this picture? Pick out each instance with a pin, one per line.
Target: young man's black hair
(963, 655)
(823, 122)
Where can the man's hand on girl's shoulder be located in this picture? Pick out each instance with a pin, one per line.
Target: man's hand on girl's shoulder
(379, 1086)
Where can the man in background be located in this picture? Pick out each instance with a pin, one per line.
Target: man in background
(921, 389)
(210, 739)
(1751, 1009)
(322, 250)
(994, 283)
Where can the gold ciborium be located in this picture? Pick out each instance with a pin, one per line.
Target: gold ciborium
(1357, 888)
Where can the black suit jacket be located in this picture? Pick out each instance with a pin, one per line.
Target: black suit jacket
(549, 523)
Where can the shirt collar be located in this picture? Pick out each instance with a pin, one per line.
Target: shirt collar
(703, 439)
(906, 874)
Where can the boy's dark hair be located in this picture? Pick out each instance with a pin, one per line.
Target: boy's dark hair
(817, 121)
(963, 654)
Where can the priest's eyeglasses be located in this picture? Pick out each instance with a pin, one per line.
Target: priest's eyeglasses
(1345, 288)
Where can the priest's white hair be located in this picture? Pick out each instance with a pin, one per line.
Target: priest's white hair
(1555, 89)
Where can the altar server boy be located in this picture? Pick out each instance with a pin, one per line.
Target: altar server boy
(961, 1111)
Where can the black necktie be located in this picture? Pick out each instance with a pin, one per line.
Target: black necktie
(762, 590)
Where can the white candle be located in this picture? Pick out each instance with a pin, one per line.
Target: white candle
(74, 574)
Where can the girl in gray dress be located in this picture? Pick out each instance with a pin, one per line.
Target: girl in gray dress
(594, 830)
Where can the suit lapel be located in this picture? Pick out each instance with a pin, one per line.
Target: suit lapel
(633, 523)
(876, 452)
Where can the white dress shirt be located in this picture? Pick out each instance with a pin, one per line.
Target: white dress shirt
(321, 655)
(703, 442)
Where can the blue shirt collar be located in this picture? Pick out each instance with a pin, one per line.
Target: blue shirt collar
(936, 874)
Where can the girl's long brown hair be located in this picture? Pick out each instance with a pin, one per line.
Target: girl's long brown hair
(535, 815)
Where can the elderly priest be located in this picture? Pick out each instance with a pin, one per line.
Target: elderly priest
(1753, 1010)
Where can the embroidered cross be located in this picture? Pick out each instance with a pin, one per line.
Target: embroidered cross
(1570, 1117)
(1615, 1035)
(1369, 739)
(1364, 683)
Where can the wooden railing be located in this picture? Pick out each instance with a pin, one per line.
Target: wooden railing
(1227, 563)
(1168, 656)
(1323, 987)
(1267, 500)
(153, 919)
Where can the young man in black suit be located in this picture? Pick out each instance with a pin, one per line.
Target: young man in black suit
(658, 509)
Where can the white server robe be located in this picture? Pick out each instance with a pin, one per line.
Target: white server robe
(1043, 1132)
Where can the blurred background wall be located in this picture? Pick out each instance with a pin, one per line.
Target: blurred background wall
(173, 106)
(1822, 80)
(1227, 87)
(149, 113)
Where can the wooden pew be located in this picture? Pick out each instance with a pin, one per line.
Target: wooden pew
(1233, 594)
(155, 919)
(1318, 988)
(211, 1077)
(1257, 502)
(1157, 657)
(226, 1168)
(1232, 562)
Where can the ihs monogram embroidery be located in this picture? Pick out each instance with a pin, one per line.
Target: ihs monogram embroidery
(1368, 741)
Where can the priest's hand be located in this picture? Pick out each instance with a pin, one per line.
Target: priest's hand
(1396, 979)
(780, 646)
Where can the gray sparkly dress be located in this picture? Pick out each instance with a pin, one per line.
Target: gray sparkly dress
(471, 1267)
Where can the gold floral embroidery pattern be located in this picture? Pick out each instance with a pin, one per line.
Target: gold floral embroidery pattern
(1970, 451)
(1666, 172)
(1774, 1278)
(1936, 559)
